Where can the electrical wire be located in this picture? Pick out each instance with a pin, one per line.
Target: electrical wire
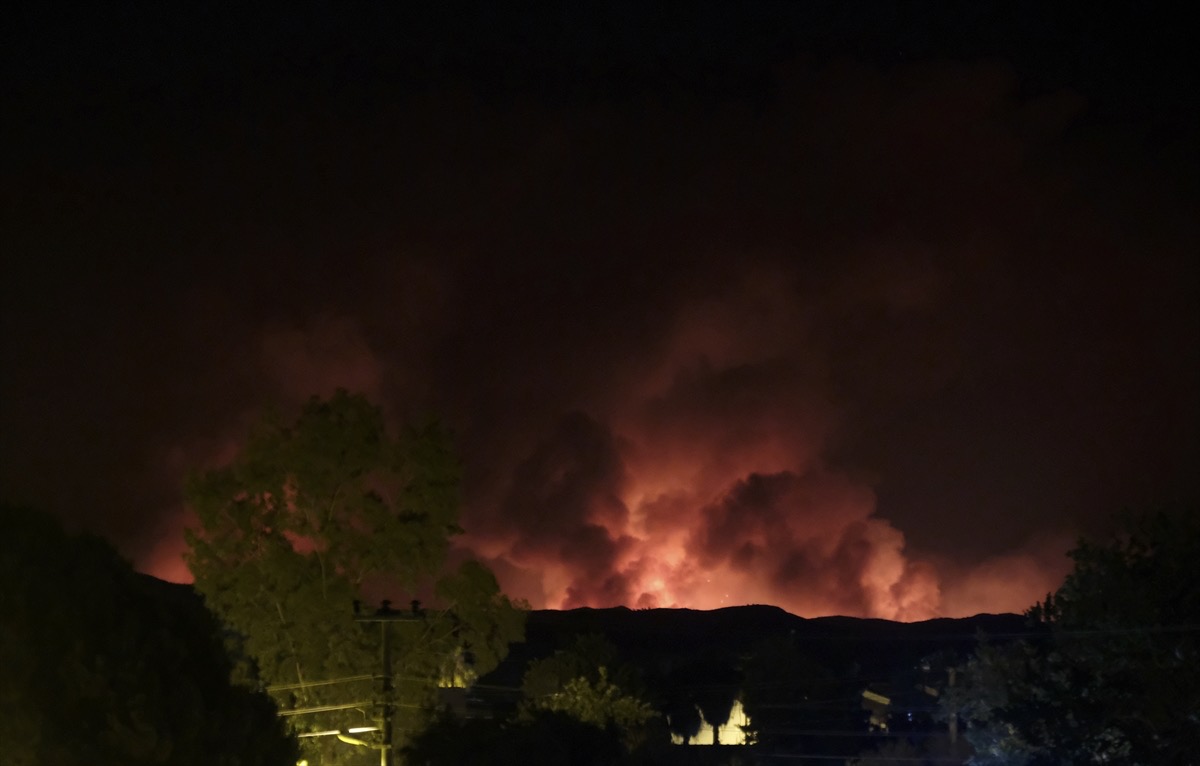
(328, 682)
(866, 757)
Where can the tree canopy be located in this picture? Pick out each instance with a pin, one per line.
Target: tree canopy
(701, 688)
(581, 705)
(330, 510)
(104, 665)
(587, 682)
(1115, 677)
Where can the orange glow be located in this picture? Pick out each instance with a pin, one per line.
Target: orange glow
(698, 478)
(701, 526)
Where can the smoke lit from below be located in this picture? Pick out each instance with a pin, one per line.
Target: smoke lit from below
(588, 523)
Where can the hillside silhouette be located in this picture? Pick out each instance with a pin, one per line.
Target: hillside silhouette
(872, 650)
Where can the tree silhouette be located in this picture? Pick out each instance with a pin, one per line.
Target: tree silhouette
(103, 665)
(295, 528)
(1116, 677)
(577, 681)
(705, 685)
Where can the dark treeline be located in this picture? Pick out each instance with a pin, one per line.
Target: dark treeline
(1104, 670)
(105, 665)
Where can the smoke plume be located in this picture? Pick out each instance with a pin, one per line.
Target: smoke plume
(877, 345)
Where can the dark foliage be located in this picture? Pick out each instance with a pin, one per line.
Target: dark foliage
(296, 526)
(103, 665)
(704, 685)
(1116, 679)
(588, 681)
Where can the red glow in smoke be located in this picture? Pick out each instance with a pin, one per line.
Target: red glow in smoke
(701, 483)
(662, 561)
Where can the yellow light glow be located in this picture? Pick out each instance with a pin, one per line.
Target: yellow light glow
(732, 732)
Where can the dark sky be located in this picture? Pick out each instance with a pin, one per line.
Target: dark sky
(843, 307)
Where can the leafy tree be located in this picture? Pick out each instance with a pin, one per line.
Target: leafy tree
(103, 665)
(576, 681)
(601, 703)
(683, 716)
(584, 658)
(308, 519)
(706, 684)
(1117, 677)
(989, 699)
(716, 694)
(582, 706)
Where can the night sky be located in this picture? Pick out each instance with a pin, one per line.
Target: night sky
(837, 306)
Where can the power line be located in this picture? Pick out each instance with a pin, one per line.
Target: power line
(283, 687)
(850, 733)
(307, 684)
(870, 756)
(335, 732)
(325, 708)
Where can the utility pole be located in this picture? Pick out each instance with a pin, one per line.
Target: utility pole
(385, 615)
(953, 717)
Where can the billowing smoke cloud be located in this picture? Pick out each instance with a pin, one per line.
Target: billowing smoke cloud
(719, 446)
(701, 480)
(702, 475)
(565, 508)
(874, 348)
(1007, 582)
